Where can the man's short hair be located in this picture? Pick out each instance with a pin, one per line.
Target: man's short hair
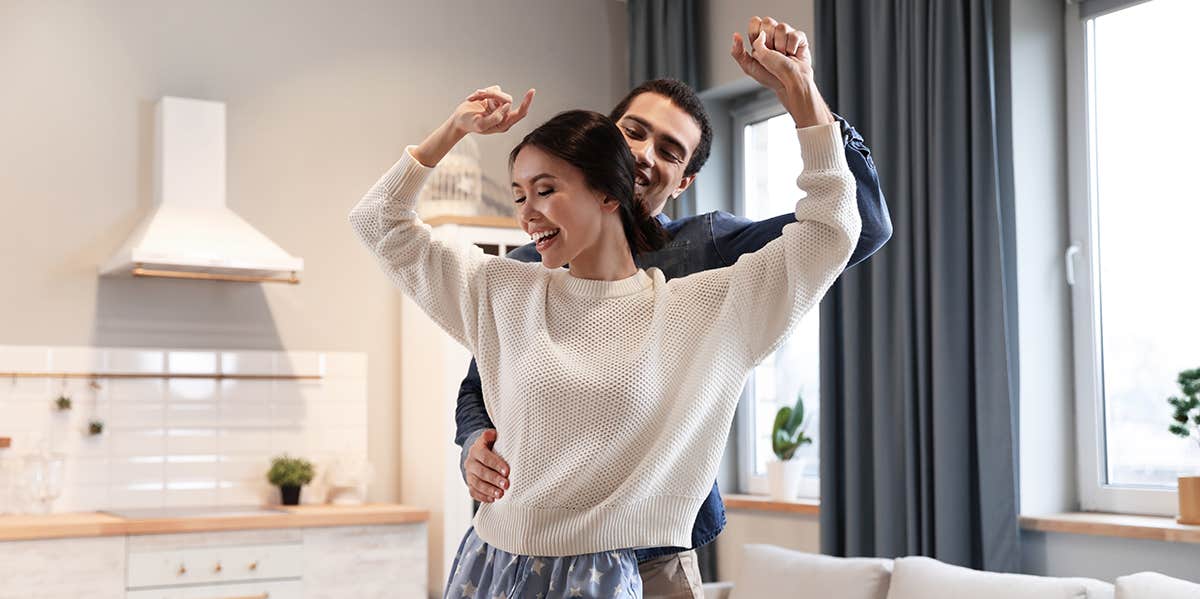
(683, 96)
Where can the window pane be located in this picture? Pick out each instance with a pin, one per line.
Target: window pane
(1148, 207)
(772, 163)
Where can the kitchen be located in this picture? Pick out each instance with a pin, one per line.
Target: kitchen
(153, 482)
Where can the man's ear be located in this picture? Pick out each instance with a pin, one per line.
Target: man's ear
(684, 184)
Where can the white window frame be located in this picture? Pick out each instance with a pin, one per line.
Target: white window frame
(758, 107)
(1082, 261)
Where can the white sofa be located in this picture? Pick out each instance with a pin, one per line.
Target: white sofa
(774, 572)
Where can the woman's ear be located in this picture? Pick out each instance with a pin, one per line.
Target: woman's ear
(610, 204)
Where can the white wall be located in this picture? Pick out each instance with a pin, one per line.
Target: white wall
(1037, 95)
(321, 98)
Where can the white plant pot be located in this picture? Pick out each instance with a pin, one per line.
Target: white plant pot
(783, 478)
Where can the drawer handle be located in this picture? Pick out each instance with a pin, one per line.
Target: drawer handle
(182, 570)
(258, 596)
(253, 565)
(218, 568)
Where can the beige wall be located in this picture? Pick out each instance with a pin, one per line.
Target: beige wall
(722, 17)
(321, 98)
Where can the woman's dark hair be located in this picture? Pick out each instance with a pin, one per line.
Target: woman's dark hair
(592, 143)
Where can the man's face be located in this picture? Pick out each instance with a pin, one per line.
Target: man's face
(662, 137)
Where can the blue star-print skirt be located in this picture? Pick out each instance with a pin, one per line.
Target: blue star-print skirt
(481, 571)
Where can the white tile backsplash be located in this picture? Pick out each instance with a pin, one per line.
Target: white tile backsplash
(192, 362)
(183, 442)
(135, 361)
(136, 389)
(248, 362)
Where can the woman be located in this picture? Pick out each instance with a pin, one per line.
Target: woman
(611, 389)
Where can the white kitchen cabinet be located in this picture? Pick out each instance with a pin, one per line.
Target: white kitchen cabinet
(248, 564)
(91, 568)
(366, 562)
(432, 366)
(253, 590)
(214, 564)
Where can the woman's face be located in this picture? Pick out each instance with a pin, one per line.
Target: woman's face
(562, 215)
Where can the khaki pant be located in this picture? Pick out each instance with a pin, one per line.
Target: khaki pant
(674, 576)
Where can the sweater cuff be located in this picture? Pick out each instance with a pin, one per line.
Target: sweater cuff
(821, 148)
(404, 180)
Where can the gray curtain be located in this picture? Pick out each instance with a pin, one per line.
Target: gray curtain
(664, 42)
(918, 370)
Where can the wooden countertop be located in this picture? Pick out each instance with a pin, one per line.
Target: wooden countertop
(96, 524)
(761, 503)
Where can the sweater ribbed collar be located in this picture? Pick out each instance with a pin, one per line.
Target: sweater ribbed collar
(571, 285)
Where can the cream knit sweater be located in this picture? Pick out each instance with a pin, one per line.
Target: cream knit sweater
(612, 399)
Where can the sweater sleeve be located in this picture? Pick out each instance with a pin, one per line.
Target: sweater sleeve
(444, 279)
(771, 289)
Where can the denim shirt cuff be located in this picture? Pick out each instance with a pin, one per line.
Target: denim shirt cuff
(466, 449)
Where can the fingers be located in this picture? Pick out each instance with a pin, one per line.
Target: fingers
(774, 62)
(491, 120)
(482, 452)
(486, 472)
(523, 109)
(494, 92)
(780, 38)
(483, 490)
(793, 41)
(739, 54)
(753, 28)
(514, 116)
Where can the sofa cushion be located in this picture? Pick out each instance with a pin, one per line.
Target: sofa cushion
(1152, 585)
(925, 578)
(769, 571)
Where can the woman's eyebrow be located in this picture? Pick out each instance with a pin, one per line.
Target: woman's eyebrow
(535, 179)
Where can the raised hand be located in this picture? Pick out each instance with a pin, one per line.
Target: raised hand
(485, 112)
(490, 110)
(780, 60)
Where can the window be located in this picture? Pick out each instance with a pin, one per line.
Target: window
(767, 162)
(1134, 209)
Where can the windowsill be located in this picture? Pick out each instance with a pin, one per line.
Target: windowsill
(1155, 528)
(762, 503)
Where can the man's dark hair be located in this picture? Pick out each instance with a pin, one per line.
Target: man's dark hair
(683, 96)
(592, 143)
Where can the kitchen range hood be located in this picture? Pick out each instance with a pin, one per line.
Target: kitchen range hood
(190, 233)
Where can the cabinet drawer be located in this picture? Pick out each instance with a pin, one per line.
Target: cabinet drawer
(253, 590)
(214, 564)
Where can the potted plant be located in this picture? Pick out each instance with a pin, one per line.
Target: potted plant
(63, 403)
(787, 435)
(289, 474)
(1185, 423)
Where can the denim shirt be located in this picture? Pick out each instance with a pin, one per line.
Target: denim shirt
(699, 243)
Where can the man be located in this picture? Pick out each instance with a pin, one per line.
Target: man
(668, 132)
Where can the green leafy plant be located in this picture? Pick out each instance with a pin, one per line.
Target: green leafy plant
(787, 435)
(63, 403)
(287, 471)
(1184, 422)
(95, 427)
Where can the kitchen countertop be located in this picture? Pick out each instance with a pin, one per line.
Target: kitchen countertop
(96, 524)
